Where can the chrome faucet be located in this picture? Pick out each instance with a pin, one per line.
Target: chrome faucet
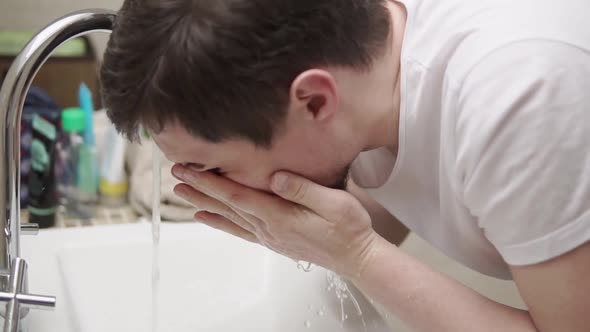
(13, 269)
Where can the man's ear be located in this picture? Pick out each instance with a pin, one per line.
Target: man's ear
(314, 94)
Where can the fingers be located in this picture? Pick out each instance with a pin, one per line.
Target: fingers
(218, 222)
(322, 200)
(235, 195)
(205, 203)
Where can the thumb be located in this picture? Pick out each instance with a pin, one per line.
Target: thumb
(298, 189)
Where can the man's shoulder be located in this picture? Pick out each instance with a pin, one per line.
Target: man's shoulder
(528, 66)
(453, 37)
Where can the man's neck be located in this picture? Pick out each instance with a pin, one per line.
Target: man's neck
(373, 97)
(378, 109)
(383, 93)
(373, 101)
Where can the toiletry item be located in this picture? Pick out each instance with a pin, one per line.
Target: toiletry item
(43, 198)
(72, 121)
(36, 102)
(87, 170)
(85, 103)
(113, 184)
(87, 160)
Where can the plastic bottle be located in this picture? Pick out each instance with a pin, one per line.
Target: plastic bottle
(86, 181)
(87, 164)
(72, 121)
(113, 184)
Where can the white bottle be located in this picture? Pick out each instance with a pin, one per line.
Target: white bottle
(113, 183)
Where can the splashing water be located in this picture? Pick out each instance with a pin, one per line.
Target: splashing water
(305, 266)
(343, 293)
(156, 191)
(341, 290)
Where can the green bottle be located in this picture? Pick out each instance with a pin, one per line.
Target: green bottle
(72, 122)
(86, 170)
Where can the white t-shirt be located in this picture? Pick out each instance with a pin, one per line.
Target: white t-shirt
(493, 166)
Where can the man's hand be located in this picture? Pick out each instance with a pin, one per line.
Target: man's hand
(305, 221)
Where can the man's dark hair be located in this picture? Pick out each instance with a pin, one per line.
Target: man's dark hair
(223, 68)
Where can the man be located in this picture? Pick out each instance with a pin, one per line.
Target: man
(472, 118)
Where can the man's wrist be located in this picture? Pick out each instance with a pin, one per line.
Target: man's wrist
(377, 247)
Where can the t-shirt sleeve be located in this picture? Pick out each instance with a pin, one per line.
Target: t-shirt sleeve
(523, 149)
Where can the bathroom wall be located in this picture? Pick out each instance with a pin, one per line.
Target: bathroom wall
(34, 14)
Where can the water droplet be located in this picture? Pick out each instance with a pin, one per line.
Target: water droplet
(321, 312)
(345, 316)
(305, 266)
(307, 324)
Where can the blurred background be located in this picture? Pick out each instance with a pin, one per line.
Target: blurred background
(35, 14)
(19, 19)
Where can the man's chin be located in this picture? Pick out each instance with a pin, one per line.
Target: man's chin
(341, 182)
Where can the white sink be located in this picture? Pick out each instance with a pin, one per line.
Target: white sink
(209, 281)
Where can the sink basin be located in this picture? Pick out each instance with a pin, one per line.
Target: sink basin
(209, 281)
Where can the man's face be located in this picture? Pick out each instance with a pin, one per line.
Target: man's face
(319, 138)
(305, 152)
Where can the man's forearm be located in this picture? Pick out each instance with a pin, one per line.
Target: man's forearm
(430, 301)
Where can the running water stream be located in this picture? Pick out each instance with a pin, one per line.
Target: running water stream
(156, 188)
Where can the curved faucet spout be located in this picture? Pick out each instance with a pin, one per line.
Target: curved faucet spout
(12, 96)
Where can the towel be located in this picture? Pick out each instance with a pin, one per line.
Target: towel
(172, 208)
